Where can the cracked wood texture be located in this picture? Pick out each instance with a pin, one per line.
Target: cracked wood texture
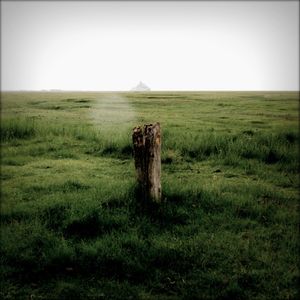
(147, 158)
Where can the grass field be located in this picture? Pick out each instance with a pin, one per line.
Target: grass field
(73, 228)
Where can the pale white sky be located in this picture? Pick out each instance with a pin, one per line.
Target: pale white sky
(217, 45)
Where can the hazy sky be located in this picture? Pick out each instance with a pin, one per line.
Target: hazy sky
(238, 45)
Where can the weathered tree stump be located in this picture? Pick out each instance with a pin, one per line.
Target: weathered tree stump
(147, 158)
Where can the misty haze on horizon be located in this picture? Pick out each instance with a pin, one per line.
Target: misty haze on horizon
(162, 46)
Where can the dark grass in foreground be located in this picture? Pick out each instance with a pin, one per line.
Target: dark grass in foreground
(72, 225)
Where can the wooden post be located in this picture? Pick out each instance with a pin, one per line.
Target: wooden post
(146, 151)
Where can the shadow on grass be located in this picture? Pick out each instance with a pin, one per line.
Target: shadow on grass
(164, 214)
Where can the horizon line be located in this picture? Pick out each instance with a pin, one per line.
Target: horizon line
(129, 91)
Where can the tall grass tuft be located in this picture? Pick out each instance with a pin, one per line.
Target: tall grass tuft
(20, 128)
(269, 148)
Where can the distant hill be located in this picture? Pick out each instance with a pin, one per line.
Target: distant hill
(141, 87)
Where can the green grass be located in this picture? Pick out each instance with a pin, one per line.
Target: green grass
(72, 222)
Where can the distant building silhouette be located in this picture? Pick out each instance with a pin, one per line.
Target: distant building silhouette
(141, 87)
